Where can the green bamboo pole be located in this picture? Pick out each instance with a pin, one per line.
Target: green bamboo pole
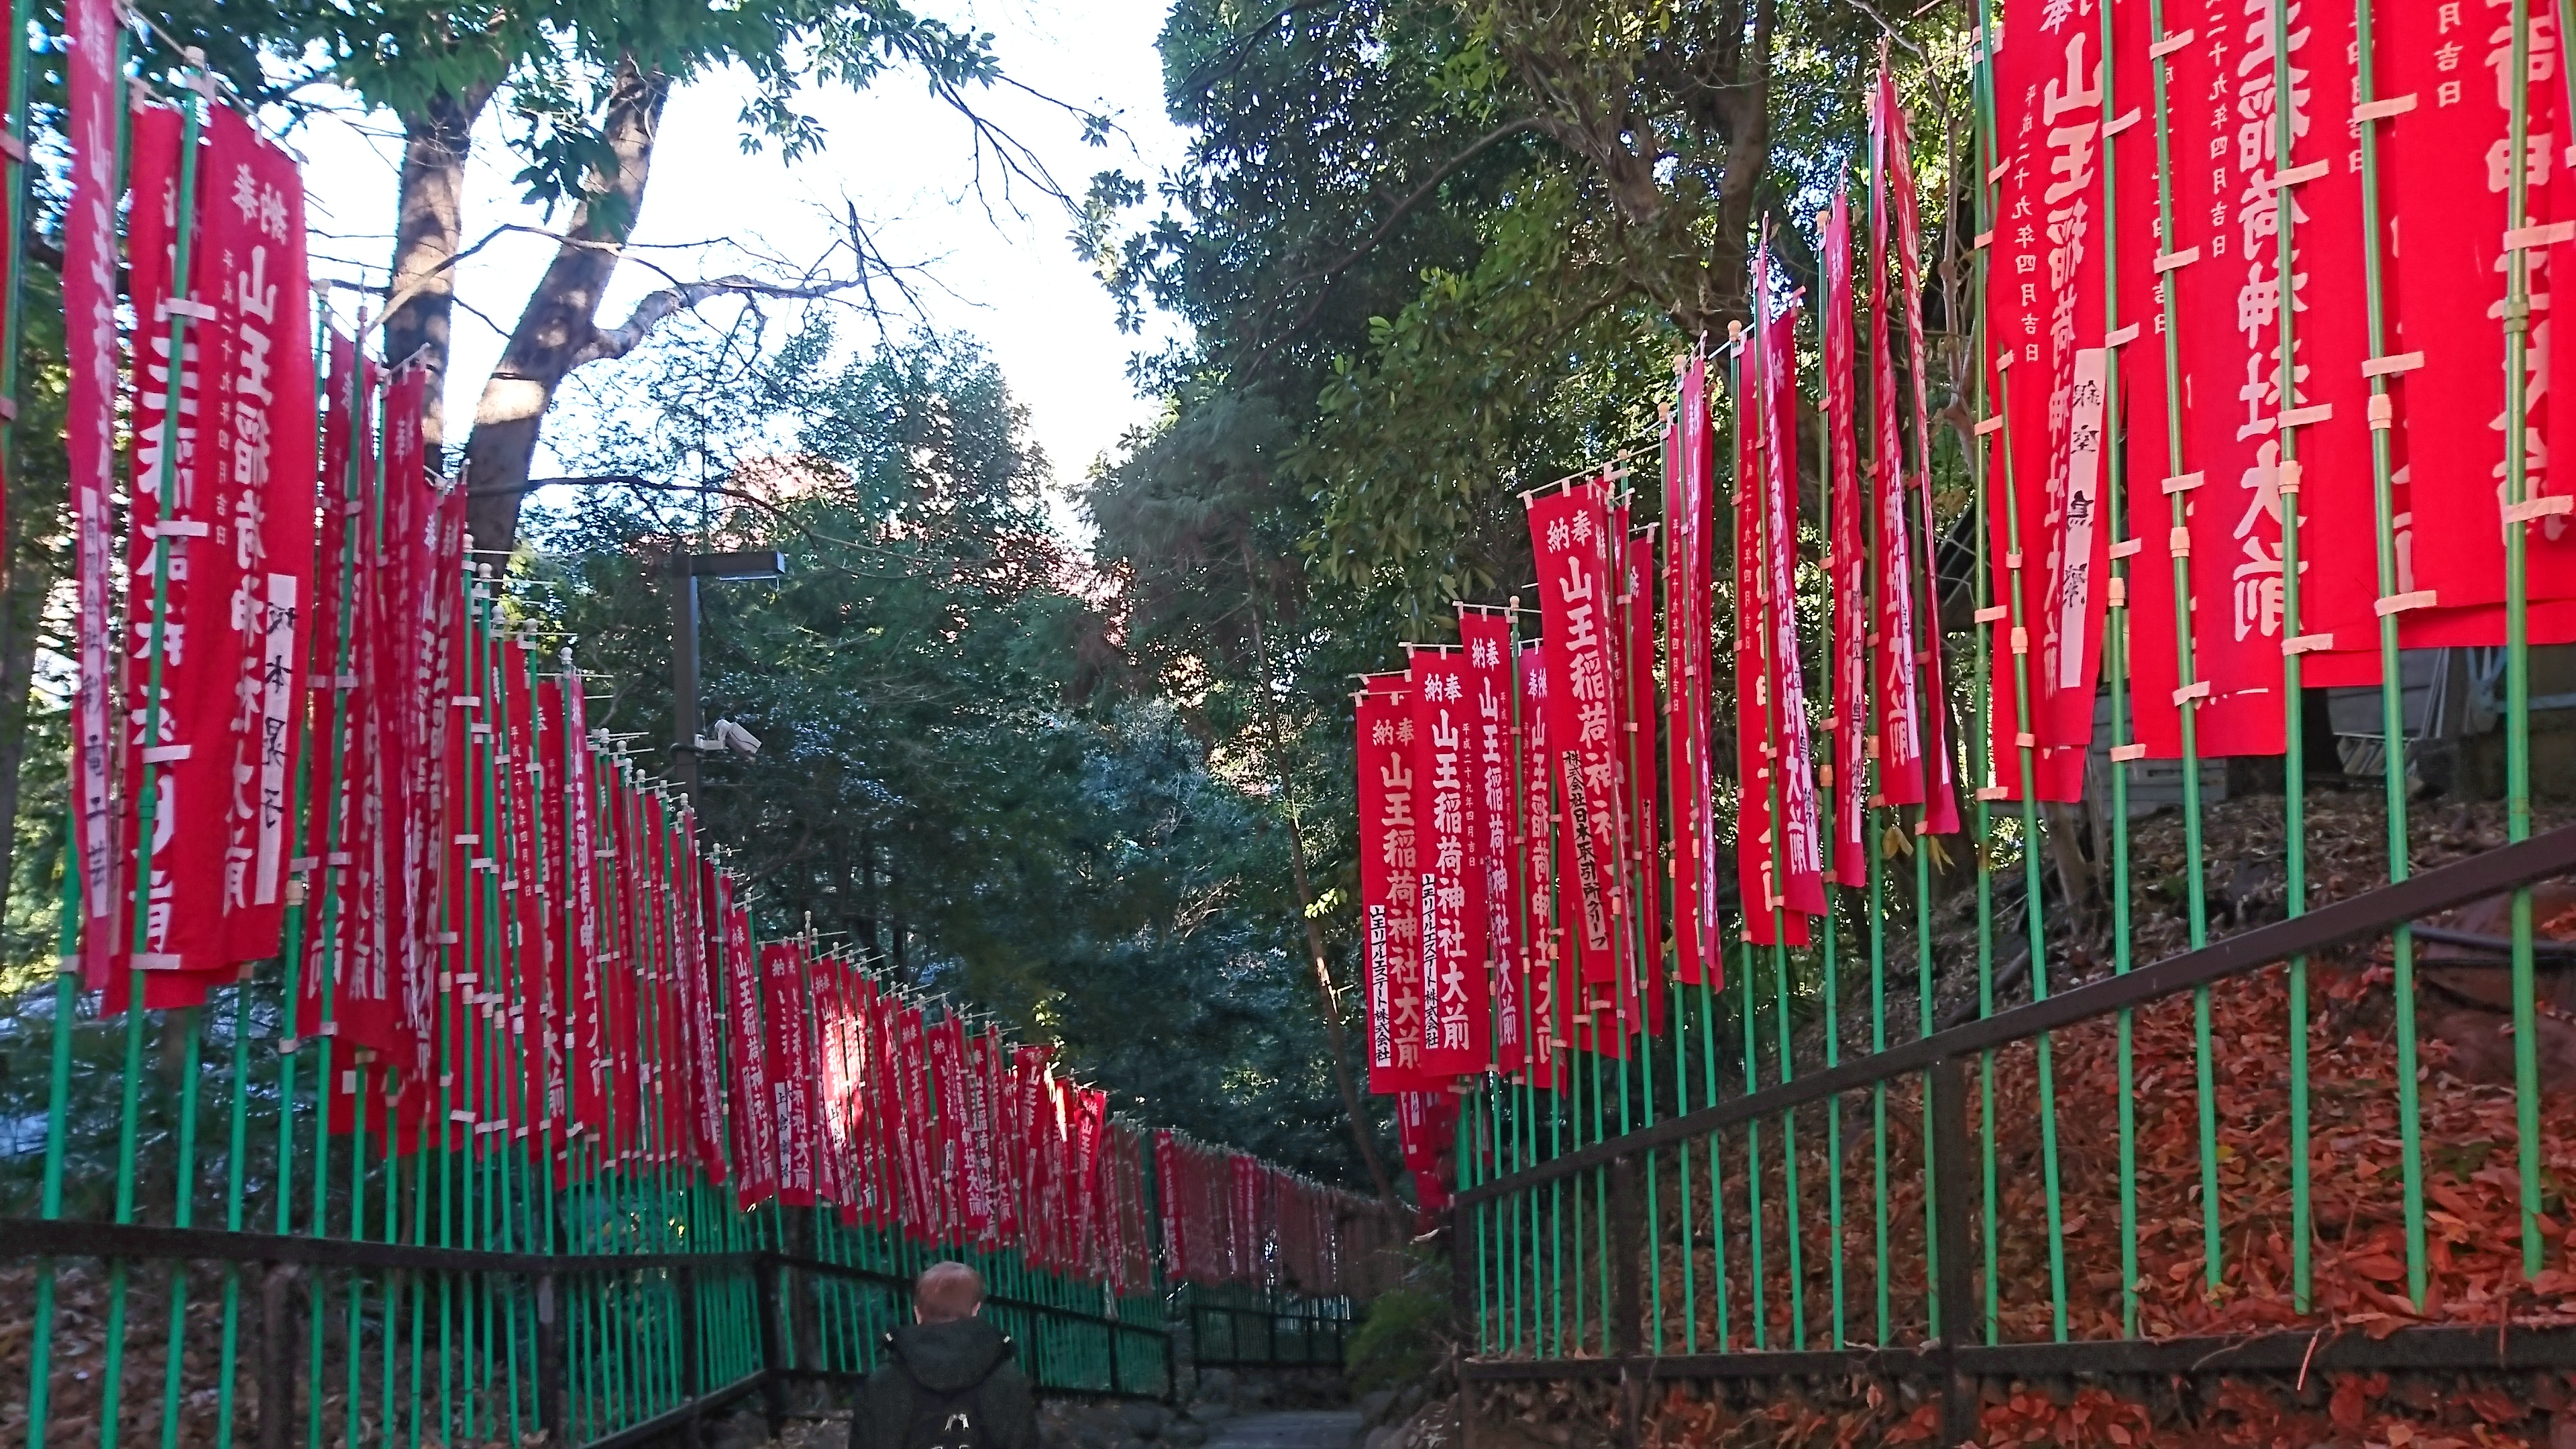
(2517, 646)
(2115, 678)
(2195, 893)
(2392, 707)
(147, 792)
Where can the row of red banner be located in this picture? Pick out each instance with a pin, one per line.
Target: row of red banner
(1513, 862)
(313, 737)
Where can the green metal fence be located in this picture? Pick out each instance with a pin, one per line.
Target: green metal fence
(1235, 1327)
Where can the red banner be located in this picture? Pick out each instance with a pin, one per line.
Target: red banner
(1899, 700)
(791, 1074)
(1778, 856)
(755, 1122)
(1570, 539)
(1542, 962)
(1452, 961)
(1846, 567)
(237, 537)
(1642, 933)
(2226, 475)
(1390, 888)
(100, 760)
(1485, 636)
(1690, 526)
(1941, 805)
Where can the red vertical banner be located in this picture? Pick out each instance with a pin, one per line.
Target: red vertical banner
(1485, 637)
(587, 1070)
(947, 1048)
(1541, 961)
(836, 1170)
(1802, 846)
(1452, 961)
(1570, 537)
(1390, 808)
(1641, 894)
(178, 731)
(2446, 167)
(999, 1140)
(1167, 1206)
(1941, 803)
(1028, 1117)
(1090, 1127)
(1778, 860)
(1900, 720)
(983, 1210)
(100, 760)
(755, 1124)
(1688, 611)
(2221, 261)
(2047, 545)
(922, 1189)
(260, 432)
(523, 892)
(1846, 564)
(791, 1079)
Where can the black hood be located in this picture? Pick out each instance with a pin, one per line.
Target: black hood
(946, 1357)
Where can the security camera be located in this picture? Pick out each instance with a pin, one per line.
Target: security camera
(737, 739)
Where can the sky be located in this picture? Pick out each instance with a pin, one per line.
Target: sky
(903, 159)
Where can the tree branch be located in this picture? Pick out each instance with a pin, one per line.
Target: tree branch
(658, 307)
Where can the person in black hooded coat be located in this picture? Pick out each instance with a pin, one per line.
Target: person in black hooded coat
(948, 1381)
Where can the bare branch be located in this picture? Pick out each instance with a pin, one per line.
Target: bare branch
(659, 307)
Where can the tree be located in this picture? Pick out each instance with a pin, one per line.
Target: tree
(941, 779)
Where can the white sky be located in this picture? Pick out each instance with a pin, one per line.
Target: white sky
(902, 157)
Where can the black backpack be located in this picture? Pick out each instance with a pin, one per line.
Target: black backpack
(950, 1419)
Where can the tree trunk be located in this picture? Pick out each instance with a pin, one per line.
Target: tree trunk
(559, 326)
(427, 233)
(1336, 1042)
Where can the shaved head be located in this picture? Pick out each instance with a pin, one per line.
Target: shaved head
(946, 1292)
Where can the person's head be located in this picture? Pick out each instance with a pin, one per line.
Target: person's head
(946, 1292)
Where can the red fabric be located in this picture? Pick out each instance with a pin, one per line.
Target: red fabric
(1898, 697)
(923, 1202)
(200, 873)
(836, 1170)
(1779, 864)
(1168, 1205)
(1390, 888)
(102, 759)
(1091, 1197)
(994, 1122)
(791, 1075)
(260, 463)
(1452, 962)
(1570, 539)
(2231, 529)
(1846, 567)
(2045, 307)
(2444, 164)
(1941, 807)
(1486, 640)
(1641, 918)
(946, 1043)
(983, 1219)
(755, 1122)
(1690, 525)
(1542, 962)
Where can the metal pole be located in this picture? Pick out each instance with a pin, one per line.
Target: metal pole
(684, 673)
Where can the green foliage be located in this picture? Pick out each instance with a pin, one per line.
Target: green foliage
(941, 777)
(1408, 1331)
